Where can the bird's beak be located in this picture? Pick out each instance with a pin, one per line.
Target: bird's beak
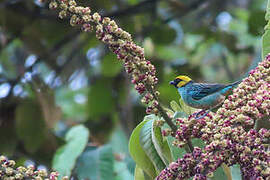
(172, 83)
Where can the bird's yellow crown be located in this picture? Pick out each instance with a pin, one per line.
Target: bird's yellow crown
(182, 80)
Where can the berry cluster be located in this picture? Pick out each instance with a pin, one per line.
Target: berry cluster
(9, 172)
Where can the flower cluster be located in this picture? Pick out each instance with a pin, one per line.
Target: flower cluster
(229, 134)
(142, 72)
(9, 172)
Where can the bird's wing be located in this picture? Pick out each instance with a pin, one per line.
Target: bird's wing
(200, 90)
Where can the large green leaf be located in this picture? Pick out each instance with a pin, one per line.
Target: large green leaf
(148, 145)
(161, 145)
(137, 152)
(219, 174)
(96, 163)
(198, 143)
(236, 172)
(30, 125)
(266, 43)
(187, 109)
(227, 171)
(267, 15)
(139, 174)
(65, 157)
(175, 151)
(175, 106)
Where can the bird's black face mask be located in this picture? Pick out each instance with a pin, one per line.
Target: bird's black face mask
(175, 82)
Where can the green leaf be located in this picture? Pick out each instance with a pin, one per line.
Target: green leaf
(198, 143)
(180, 114)
(148, 146)
(161, 145)
(110, 65)
(96, 163)
(236, 172)
(188, 110)
(169, 111)
(219, 174)
(267, 15)
(266, 43)
(266, 35)
(227, 171)
(175, 106)
(30, 125)
(139, 174)
(65, 157)
(256, 22)
(175, 151)
(137, 152)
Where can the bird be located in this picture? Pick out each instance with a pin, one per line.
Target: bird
(203, 96)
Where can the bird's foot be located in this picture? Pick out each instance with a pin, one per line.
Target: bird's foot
(198, 114)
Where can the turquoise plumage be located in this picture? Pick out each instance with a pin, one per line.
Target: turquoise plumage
(201, 95)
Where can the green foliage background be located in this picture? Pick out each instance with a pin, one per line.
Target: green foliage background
(63, 95)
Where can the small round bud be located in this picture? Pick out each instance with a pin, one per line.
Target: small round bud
(62, 14)
(63, 6)
(53, 5)
(96, 17)
(72, 3)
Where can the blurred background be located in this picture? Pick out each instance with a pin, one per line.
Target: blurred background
(53, 77)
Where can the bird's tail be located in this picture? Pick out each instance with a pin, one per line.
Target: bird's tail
(235, 83)
(228, 89)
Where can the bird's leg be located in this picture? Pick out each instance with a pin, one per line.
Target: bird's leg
(196, 114)
(204, 114)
